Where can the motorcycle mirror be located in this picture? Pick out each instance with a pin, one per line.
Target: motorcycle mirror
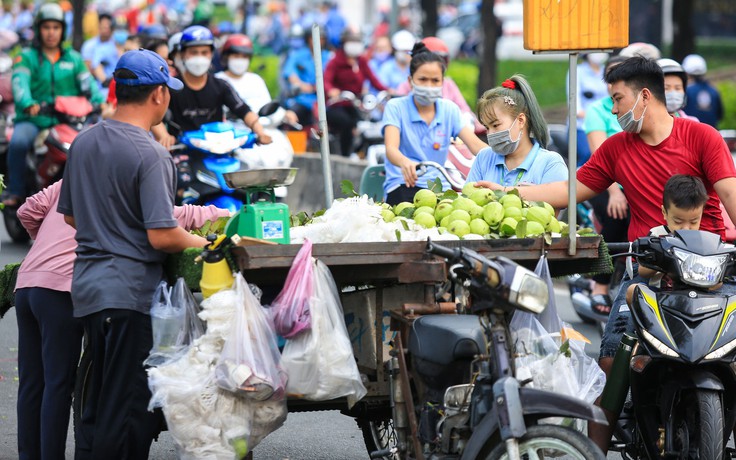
(269, 109)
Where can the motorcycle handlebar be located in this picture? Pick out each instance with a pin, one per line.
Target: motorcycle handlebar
(442, 251)
(422, 169)
(618, 248)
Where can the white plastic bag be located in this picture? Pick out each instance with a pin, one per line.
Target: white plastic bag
(250, 363)
(320, 361)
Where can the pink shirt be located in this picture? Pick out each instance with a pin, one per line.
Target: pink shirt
(50, 262)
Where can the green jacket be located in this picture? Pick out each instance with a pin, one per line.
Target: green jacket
(37, 80)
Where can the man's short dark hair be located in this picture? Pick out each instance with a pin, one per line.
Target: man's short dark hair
(684, 192)
(638, 73)
(127, 94)
(104, 17)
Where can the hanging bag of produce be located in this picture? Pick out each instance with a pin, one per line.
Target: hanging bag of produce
(290, 309)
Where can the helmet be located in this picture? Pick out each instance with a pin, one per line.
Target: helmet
(155, 31)
(350, 35)
(237, 43)
(196, 36)
(403, 40)
(672, 67)
(437, 46)
(49, 12)
(694, 64)
(174, 43)
(645, 50)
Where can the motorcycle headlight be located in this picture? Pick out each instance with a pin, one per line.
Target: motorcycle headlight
(702, 271)
(721, 352)
(528, 291)
(656, 343)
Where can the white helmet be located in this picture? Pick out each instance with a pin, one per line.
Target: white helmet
(694, 64)
(403, 40)
(645, 50)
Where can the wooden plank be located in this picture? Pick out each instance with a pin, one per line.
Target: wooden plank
(256, 257)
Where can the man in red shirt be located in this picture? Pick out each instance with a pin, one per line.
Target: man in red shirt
(652, 147)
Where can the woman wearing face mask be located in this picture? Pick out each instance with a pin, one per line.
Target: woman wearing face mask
(419, 127)
(347, 71)
(236, 54)
(395, 71)
(517, 139)
(675, 82)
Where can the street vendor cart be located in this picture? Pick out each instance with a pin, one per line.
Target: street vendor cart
(382, 280)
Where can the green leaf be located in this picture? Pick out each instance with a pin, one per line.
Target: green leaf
(407, 212)
(435, 185)
(348, 189)
(398, 235)
(498, 194)
(319, 213)
(449, 195)
(513, 191)
(405, 225)
(521, 229)
(565, 349)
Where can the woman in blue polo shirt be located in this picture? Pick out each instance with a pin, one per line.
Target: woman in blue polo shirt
(517, 136)
(419, 127)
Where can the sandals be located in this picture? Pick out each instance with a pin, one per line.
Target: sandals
(601, 304)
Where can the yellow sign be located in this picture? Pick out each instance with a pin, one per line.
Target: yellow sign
(568, 25)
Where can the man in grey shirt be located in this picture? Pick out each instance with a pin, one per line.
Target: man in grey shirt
(118, 192)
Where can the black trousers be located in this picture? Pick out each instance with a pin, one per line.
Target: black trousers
(49, 344)
(343, 119)
(403, 193)
(114, 422)
(612, 230)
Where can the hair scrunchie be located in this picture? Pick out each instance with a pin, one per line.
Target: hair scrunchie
(510, 84)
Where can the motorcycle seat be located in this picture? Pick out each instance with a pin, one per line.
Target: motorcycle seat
(443, 339)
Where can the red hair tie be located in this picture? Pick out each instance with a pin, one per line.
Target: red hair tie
(510, 84)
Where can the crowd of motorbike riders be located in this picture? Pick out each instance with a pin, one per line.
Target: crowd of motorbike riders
(636, 92)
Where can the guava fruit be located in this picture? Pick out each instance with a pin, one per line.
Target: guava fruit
(459, 228)
(462, 203)
(482, 196)
(442, 210)
(425, 197)
(513, 212)
(425, 219)
(387, 215)
(493, 213)
(479, 227)
(401, 206)
(512, 201)
(425, 210)
(508, 226)
(538, 214)
(459, 214)
(533, 228)
(469, 188)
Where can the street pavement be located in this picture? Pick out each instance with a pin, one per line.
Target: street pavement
(305, 436)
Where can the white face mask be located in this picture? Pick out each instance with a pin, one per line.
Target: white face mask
(354, 49)
(598, 58)
(675, 100)
(238, 66)
(197, 65)
(627, 121)
(426, 95)
(501, 143)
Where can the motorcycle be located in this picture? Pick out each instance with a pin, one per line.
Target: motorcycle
(45, 162)
(210, 153)
(368, 133)
(681, 371)
(454, 393)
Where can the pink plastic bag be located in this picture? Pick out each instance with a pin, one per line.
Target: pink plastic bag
(290, 309)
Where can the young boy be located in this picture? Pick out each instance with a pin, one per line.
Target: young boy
(683, 199)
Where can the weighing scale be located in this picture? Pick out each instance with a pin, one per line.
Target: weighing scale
(263, 219)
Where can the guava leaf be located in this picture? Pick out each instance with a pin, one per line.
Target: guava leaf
(498, 194)
(398, 234)
(405, 224)
(565, 349)
(348, 189)
(407, 212)
(449, 194)
(319, 213)
(435, 185)
(513, 191)
(521, 229)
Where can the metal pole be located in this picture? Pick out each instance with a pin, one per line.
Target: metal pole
(393, 17)
(572, 152)
(323, 134)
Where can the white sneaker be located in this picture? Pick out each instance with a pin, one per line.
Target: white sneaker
(354, 157)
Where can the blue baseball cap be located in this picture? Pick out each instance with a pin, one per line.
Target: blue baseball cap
(149, 68)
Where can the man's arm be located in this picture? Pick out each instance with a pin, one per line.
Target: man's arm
(726, 190)
(174, 239)
(554, 193)
(70, 221)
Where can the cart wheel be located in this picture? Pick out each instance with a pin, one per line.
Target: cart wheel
(380, 437)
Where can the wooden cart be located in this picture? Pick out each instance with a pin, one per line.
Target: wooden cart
(377, 278)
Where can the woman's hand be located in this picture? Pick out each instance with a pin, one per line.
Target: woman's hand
(489, 185)
(617, 205)
(409, 170)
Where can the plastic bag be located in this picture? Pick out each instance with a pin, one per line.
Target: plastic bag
(290, 309)
(250, 363)
(174, 322)
(320, 361)
(553, 361)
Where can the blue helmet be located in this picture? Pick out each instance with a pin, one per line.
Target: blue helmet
(196, 36)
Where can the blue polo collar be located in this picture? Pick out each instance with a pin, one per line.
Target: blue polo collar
(528, 161)
(414, 112)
